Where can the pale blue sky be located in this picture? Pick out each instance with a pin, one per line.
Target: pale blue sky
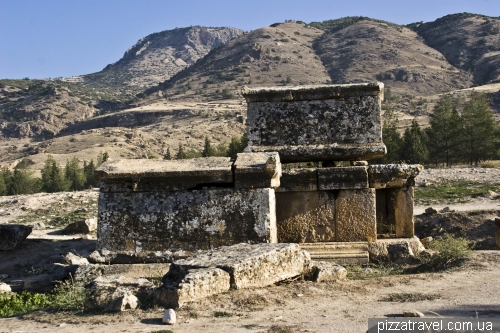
(53, 38)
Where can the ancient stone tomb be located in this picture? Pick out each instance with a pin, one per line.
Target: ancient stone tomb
(325, 193)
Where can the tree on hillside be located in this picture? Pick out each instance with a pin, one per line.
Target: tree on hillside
(88, 170)
(6, 175)
(391, 137)
(23, 182)
(237, 145)
(3, 187)
(75, 174)
(168, 155)
(53, 177)
(180, 153)
(208, 150)
(414, 148)
(480, 129)
(445, 132)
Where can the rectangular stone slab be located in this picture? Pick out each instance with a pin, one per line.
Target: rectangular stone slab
(164, 175)
(138, 222)
(298, 180)
(355, 216)
(251, 266)
(342, 178)
(257, 170)
(393, 175)
(194, 285)
(316, 123)
(305, 217)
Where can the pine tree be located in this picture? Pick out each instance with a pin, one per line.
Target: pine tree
(168, 155)
(75, 174)
(88, 170)
(53, 177)
(23, 182)
(414, 148)
(391, 137)
(480, 129)
(101, 158)
(7, 178)
(208, 150)
(180, 153)
(3, 187)
(445, 132)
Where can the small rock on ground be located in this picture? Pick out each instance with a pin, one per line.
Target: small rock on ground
(169, 317)
(413, 313)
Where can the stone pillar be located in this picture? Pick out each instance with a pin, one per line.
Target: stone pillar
(305, 217)
(355, 216)
(400, 210)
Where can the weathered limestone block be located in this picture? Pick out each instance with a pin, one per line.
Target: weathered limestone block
(184, 287)
(112, 293)
(316, 123)
(393, 175)
(12, 236)
(164, 175)
(86, 273)
(400, 210)
(343, 178)
(322, 271)
(298, 180)
(257, 170)
(305, 217)
(355, 216)
(395, 250)
(132, 223)
(250, 266)
(84, 226)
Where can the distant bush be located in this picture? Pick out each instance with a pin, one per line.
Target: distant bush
(490, 164)
(449, 250)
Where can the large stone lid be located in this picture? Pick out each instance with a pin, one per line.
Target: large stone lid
(308, 93)
(205, 170)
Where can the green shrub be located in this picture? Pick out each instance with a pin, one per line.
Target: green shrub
(14, 304)
(449, 250)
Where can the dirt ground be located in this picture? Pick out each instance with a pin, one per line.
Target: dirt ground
(470, 291)
(298, 306)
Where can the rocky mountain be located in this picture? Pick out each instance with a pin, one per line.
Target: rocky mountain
(178, 86)
(470, 42)
(369, 50)
(281, 54)
(157, 57)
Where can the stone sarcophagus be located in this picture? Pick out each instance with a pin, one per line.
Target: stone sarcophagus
(152, 208)
(155, 209)
(316, 123)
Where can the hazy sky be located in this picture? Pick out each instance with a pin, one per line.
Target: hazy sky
(53, 38)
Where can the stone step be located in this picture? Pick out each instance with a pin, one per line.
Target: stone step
(335, 246)
(338, 252)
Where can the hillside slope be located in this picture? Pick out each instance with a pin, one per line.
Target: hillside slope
(157, 57)
(470, 42)
(368, 50)
(281, 54)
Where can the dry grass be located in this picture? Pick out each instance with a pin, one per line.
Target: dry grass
(490, 164)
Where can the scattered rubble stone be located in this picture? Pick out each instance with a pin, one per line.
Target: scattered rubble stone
(426, 241)
(326, 271)
(430, 211)
(13, 235)
(398, 250)
(105, 291)
(122, 303)
(85, 226)
(413, 313)
(4, 288)
(73, 259)
(169, 317)
(180, 288)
